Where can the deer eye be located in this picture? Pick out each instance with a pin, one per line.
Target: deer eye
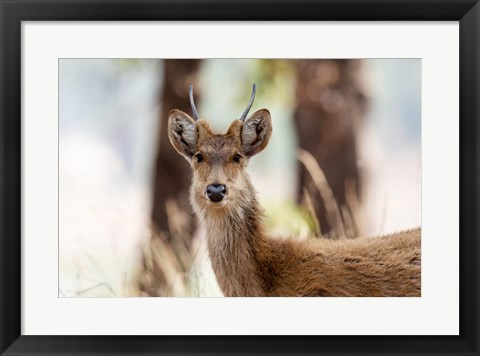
(199, 157)
(237, 158)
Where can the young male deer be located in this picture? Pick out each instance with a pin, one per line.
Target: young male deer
(246, 262)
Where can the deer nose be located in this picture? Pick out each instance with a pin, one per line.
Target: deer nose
(216, 192)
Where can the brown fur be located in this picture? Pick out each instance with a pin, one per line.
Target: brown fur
(246, 262)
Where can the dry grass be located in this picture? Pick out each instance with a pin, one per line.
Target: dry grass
(340, 218)
(169, 262)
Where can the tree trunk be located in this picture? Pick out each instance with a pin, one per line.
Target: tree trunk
(172, 174)
(172, 217)
(330, 107)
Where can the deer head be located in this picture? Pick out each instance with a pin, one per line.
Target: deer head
(219, 161)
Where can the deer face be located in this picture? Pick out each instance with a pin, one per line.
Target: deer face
(219, 161)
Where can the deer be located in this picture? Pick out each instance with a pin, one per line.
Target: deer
(249, 263)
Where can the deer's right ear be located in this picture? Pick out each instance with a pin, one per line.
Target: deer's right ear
(182, 132)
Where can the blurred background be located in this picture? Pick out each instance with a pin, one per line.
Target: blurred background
(344, 161)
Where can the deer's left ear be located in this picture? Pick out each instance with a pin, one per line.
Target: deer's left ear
(256, 132)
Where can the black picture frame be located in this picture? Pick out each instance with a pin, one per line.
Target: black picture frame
(13, 12)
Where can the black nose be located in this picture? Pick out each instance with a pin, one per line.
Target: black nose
(216, 192)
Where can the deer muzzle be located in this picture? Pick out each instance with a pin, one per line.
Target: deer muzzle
(216, 192)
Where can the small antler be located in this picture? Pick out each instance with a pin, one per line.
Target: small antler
(245, 113)
(192, 103)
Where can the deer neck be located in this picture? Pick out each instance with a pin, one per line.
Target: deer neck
(234, 241)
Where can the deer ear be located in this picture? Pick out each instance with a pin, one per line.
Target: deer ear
(256, 132)
(182, 132)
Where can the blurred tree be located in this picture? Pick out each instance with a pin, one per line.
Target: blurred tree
(172, 175)
(172, 217)
(331, 103)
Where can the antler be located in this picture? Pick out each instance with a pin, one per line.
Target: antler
(192, 103)
(245, 113)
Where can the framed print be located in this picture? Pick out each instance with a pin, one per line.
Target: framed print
(176, 175)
